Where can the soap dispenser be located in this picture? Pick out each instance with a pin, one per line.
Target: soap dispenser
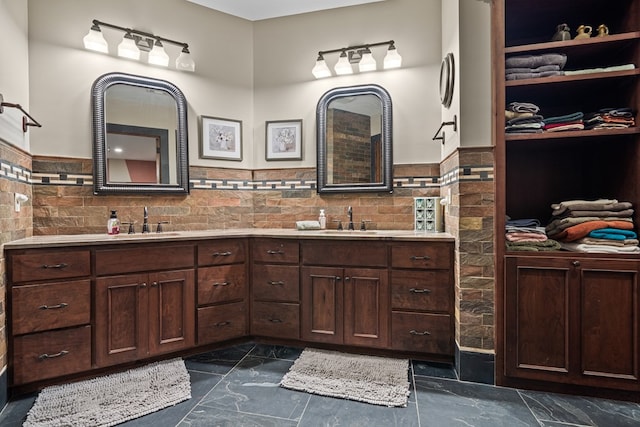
(322, 219)
(113, 224)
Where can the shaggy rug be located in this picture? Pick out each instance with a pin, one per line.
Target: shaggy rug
(112, 399)
(377, 380)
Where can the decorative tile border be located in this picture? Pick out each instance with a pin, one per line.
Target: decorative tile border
(461, 173)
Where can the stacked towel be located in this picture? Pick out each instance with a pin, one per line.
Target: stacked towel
(610, 118)
(535, 66)
(571, 121)
(522, 117)
(527, 235)
(603, 225)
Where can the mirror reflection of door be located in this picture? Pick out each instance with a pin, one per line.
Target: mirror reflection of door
(354, 140)
(137, 154)
(141, 145)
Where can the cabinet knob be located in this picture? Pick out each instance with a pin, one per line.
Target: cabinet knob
(338, 278)
(143, 285)
(347, 278)
(575, 263)
(154, 284)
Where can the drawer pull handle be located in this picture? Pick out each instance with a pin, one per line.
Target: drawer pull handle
(420, 258)
(275, 283)
(420, 291)
(61, 265)
(275, 320)
(52, 356)
(53, 307)
(278, 252)
(414, 332)
(226, 253)
(221, 284)
(225, 323)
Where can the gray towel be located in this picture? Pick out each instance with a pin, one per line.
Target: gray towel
(523, 107)
(535, 61)
(533, 70)
(521, 76)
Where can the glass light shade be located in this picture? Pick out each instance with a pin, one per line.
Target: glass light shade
(185, 62)
(321, 70)
(392, 59)
(95, 41)
(128, 49)
(367, 63)
(343, 66)
(157, 55)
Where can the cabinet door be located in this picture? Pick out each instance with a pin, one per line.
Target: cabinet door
(171, 311)
(121, 310)
(537, 312)
(322, 304)
(366, 307)
(609, 335)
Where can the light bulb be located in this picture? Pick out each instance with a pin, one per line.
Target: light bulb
(392, 59)
(321, 70)
(95, 41)
(367, 63)
(184, 61)
(158, 56)
(343, 66)
(128, 49)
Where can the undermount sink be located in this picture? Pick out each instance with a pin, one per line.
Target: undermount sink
(351, 232)
(145, 235)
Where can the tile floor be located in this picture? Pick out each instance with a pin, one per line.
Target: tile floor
(238, 386)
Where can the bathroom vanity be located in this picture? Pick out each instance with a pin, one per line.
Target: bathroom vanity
(82, 304)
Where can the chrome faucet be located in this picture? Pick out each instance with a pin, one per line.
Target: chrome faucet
(350, 213)
(145, 224)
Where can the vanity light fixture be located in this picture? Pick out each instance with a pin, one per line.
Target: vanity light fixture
(136, 41)
(360, 55)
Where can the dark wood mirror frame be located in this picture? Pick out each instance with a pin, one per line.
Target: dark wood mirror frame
(385, 184)
(101, 184)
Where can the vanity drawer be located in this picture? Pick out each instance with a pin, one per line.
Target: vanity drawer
(222, 322)
(51, 354)
(276, 251)
(421, 290)
(220, 284)
(144, 258)
(422, 332)
(276, 320)
(50, 306)
(219, 252)
(276, 282)
(49, 265)
(344, 253)
(422, 255)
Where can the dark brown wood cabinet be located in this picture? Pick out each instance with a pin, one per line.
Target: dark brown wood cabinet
(574, 320)
(275, 288)
(345, 305)
(566, 321)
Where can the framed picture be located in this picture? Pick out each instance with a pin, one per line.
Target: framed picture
(284, 140)
(221, 139)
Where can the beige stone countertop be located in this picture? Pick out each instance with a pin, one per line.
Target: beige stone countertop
(168, 236)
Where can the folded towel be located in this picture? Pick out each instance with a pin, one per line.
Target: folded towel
(560, 128)
(547, 245)
(626, 213)
(514, 236)
(582, 230)
(565, 118)
(532, 75)
(583, 205)
(613, 234)
(595, 241)
(535, 118)
(307, 225)
(532, 70)
(523, 107)
(581, 247)
(523, 222)
(601, 70)
(559, 224)
(535, 61)
(510, 115)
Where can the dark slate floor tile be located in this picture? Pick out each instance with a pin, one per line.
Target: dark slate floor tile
(329, 411)
(276, 351)
(253, 387)
(448, 403)
(218, 361)
(582, 410)
(201, 384)
(433, 369)
(15, 413)
(203, 416)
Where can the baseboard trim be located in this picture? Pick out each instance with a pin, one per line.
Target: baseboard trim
(475, 366)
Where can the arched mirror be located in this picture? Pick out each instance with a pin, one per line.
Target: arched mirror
(355, 146)
(139, 136)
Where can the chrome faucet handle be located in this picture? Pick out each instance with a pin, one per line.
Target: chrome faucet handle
(131, 227)
(145, 222)
(350, 213)
(339, 224)
(363, 225)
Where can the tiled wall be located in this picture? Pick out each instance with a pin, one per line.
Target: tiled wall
(15, 167)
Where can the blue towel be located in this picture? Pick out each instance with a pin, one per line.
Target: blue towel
(564, 119)
(613, 234)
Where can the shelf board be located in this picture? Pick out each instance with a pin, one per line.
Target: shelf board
(569, 44)
(572, 134)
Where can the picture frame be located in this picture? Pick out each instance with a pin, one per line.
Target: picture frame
(220, 138)
(283, 140)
